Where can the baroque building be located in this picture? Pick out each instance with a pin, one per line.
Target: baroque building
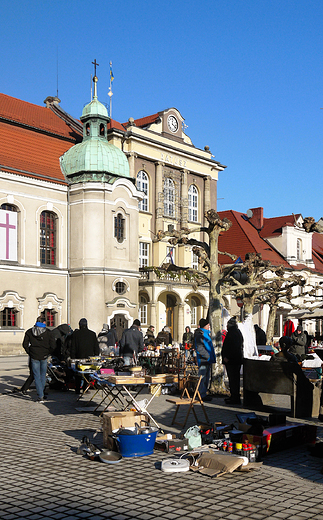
(80, 206)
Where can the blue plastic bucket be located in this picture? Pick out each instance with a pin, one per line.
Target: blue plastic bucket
(136, 445)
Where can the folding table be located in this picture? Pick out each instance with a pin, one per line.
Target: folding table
(123, 395)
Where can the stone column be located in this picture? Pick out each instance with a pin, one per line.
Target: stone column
(131, 160)
(153, 316)
(184, 199)
(207, 193)
(181, 323)
(159, 195)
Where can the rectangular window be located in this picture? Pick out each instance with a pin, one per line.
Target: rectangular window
(195, 261)
(48, 238)
(9, 317)
(50, 317)
(143, 254)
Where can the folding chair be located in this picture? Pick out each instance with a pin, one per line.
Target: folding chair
(192, 382)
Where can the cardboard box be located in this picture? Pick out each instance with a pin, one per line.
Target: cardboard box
(114, 420)
(172, 446)
(277, 438)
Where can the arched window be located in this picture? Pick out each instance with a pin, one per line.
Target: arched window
(119, 231)
(143, 185)
(169, 198)
(8, 232)
(299, 249)
(48, 238)
(143, 310)
(87, 129)
(192, 203)
(102, 130)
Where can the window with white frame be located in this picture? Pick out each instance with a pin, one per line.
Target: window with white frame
(9, 317)
(169, 198)
(143, 254)
(143, 185)
(195, 261)
(119, 227)
(8, 232)
(194, 306)
(143, 310)
(192, 203)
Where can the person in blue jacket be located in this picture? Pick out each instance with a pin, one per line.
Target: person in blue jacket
(205, 356)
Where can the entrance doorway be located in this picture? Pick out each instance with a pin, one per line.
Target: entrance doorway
(121, 323)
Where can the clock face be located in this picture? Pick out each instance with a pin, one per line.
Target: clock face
(172, 123)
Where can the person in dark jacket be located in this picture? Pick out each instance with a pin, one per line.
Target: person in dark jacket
(188, 337)
(39, 344)
(131, 343)
(261, 338)
(164, 337)
(299, 340)
(205, 356)
(84, 344)
(149, 338)
(232, 355)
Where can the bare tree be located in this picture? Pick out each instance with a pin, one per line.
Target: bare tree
(310, 225)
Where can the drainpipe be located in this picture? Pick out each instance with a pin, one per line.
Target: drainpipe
(68, 257)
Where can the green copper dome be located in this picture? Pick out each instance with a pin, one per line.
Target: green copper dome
(95, 108)
(95, 156)
(95, 159)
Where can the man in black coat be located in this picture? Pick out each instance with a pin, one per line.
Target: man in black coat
(232, 355)
(299, 340)
(131, 343)
(84, 344)
(261, 338)
(39, 344)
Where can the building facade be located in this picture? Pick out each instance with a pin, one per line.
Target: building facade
(80, 206)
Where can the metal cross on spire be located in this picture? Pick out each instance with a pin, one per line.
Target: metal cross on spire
(95, 66)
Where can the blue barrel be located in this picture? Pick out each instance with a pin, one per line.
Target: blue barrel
(136, 445)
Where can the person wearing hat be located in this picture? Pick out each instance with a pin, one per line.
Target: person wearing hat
(299, 340)
(232, 355)
(205, 356)
(39, 344)
(131, 343)
(84, 344)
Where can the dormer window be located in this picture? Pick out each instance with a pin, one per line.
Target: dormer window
(299, 251)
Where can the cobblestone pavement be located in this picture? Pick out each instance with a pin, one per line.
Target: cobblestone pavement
(42, 477)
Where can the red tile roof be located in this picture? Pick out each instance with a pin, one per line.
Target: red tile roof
(144, 121)
(115, 124)
(243, 238)
(34, 116)
(273, 226)
(26, 151)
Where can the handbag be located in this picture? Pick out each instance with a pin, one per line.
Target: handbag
(193, 435)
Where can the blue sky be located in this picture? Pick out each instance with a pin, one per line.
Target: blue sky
(245, 74)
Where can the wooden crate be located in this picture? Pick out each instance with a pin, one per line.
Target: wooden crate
(161, 378)
(114, 420)
(126, 380)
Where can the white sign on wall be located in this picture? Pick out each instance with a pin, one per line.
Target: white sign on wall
(8, 235)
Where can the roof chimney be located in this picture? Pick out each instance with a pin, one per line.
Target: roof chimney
(256, 217)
